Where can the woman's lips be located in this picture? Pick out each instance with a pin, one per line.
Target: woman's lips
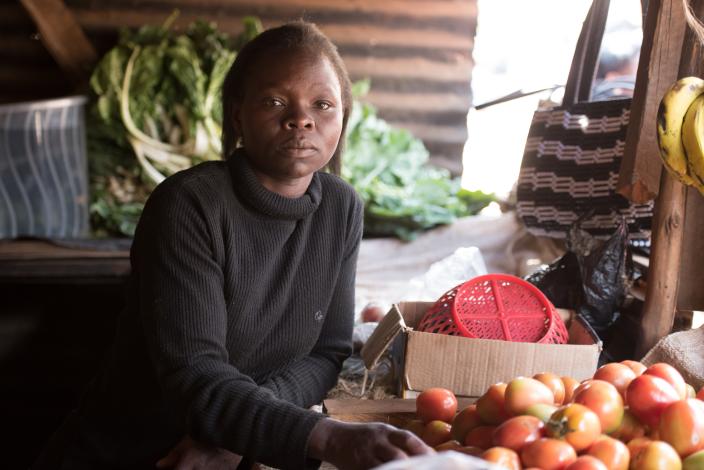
(298, 150)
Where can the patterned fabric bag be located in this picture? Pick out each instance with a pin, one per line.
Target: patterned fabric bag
(573, 154)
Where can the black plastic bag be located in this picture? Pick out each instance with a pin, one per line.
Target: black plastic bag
(606, 275)
(561, 281)
(592, 278)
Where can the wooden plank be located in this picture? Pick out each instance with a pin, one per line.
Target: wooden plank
(395, 411)
(419, 101)
(663, 274)
(660, 54)
(63, 37)
(408, 68)
(44, 262)
(340, 33)
(420, 8)
(668, 227)
(36, 250)
(691, 294)
(373, 34)
(446, 134)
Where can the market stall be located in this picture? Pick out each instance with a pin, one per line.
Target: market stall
(496, 339)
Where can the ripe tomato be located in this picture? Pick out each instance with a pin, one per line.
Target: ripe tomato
(548, 454)
(700, 394)
(648, 396)
(464, 421)
(541, 411)
(576, 424)
(637, 444)
(656, 455)
(490, 406)
(372, 313)
(518, 431)
(481, 437)
(604, 400)
(612, 452)
(570, 386)
(618, 375)
(436, 404)
(587, 462)
(469, 450)
(629, 429)
(670, 375)
(554, 383)
(682, 426)
(523, 392)
(691, 393)
(436, 432)
(416, 426)
(694, 461)
(502, 457)
(448, 445)
(635, 366)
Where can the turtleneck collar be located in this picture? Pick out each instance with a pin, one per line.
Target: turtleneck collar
(268, 202)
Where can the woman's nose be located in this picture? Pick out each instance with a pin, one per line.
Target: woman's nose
(297, 118)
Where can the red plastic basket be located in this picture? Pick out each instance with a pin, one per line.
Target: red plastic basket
(496, 306)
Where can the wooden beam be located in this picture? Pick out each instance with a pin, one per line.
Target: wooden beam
(691, 295)
(663, 273)
(668, 225)
(663, 33)
(63, 37)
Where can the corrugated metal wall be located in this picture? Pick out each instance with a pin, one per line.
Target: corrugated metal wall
(418, 53)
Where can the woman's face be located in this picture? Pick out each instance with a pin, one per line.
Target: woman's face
(290, 119)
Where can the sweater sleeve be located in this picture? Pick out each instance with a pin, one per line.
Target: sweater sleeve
(306, 381)
(184, 319)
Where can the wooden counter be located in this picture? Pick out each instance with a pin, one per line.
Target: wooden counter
(52, 262)
(60, 304)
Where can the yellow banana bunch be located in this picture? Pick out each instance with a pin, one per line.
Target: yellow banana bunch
(671, 117)
(693, 141)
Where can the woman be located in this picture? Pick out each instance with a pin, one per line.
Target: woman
(240, 305)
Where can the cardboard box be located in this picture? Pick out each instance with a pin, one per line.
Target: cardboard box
(469, 366)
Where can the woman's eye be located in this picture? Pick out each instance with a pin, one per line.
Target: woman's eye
(274, 102)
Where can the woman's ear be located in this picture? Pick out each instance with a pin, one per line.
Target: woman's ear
(236, 121)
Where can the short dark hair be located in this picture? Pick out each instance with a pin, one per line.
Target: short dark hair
(298, 36)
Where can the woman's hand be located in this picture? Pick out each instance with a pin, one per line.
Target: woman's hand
(191, 455)
(359, 446)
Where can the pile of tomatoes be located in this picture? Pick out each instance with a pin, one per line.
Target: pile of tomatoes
(628, 416)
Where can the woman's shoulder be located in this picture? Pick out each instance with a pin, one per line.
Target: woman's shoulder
(200, 177)
(201, 185)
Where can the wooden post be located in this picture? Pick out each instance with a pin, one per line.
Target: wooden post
(668, 227)
(664, 29)
(63, 37)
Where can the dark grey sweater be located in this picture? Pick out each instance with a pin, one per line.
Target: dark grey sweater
(239, 316)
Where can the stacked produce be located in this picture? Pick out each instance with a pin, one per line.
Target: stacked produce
(626, 417)
(155, 110)
(403, 194)
(681, 131)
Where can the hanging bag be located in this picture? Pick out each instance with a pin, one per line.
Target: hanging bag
(573, 154)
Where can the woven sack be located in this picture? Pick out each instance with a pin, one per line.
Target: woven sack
(684, 351)
(573, 154)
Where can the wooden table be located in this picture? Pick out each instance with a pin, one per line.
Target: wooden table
(56, 262)
(60, 304)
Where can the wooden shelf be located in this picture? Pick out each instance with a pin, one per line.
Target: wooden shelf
(43, 261)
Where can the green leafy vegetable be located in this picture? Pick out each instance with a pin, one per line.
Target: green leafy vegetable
(388, 167)
(155, 110)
